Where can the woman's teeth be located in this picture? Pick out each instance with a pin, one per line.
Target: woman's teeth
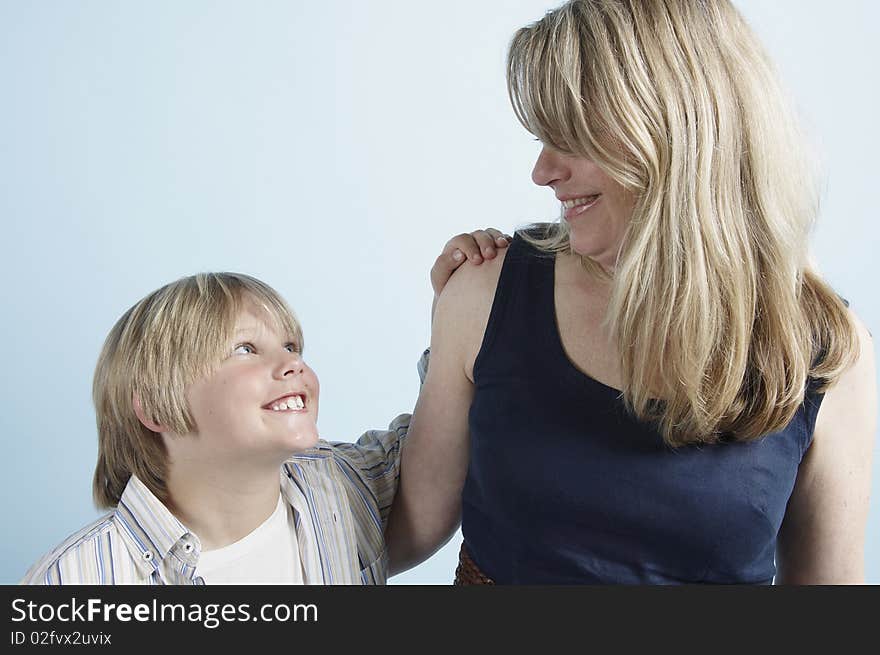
(293, 402)
(568, 204)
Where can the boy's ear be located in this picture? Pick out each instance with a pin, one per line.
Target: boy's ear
(145, 420)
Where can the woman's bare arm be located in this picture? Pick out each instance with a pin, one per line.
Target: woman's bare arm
(427, 508)
(822, 539)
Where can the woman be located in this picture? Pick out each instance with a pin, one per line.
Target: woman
(658, 389)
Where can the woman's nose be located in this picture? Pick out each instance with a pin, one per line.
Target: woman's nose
(550, 168)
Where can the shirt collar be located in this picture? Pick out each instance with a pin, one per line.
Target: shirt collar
(151, 531)
(321, 450)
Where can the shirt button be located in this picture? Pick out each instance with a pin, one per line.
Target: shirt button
(334, 517)
(148, 556)
(188, 547)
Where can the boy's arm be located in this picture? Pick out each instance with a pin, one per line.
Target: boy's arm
(374, 459)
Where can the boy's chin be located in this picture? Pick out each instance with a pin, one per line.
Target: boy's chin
(301, 440)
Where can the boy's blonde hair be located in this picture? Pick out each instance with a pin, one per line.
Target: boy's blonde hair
(157, 349)
(715, 307)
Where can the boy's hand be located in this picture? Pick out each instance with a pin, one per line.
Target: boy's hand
(473, 247)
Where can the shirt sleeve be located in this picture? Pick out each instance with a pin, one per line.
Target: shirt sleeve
(374, 463)
(422, 366)
(374, 458)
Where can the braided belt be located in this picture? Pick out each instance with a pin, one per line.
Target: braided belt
(467, 572)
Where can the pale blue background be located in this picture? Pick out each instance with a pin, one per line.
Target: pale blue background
(330, 148)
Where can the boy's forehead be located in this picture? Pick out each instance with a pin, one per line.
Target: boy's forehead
(248, 324)
(254, 318)
(249, 319)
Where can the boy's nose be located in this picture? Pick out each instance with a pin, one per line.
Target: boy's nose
(291, 365)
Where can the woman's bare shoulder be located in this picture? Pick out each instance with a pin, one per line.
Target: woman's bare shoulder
(462, 311)
(850, 404)
(472, 286)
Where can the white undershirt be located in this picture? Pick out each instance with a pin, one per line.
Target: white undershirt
(268, 555)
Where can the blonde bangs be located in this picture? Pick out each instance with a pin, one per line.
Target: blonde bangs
(549, 86)
(273, 307)
(546, 96)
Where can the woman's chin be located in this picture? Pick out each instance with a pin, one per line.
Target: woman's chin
(586, 248)
(603, 253)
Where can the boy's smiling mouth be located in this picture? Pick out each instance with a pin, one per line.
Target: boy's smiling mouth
(289, 402)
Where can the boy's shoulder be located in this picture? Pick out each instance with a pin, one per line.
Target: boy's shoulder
(76, 560)
(373, 448)
(366, 468)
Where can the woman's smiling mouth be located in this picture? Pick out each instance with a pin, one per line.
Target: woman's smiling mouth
(576, 206)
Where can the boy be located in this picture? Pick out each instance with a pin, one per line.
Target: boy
(201, 395)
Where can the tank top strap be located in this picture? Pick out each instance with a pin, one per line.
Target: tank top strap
(812, 402)
(522, 318)
(812, 396)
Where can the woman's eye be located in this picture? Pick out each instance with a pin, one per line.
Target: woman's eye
(244, 349)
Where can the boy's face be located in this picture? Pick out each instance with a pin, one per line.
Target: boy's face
(261, 403)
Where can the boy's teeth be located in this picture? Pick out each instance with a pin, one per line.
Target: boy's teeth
(294, 402)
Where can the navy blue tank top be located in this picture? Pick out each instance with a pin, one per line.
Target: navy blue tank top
(566, 487)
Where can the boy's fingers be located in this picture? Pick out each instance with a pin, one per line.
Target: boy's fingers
(474, 247)
(437, 281)
(467, 245)
(442, 270)
(501, 240)
(485, 242)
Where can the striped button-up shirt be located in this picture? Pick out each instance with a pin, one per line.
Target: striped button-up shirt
(340, 493)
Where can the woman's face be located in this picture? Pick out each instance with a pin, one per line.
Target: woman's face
(596, 208)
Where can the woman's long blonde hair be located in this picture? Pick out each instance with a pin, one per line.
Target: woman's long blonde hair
(715, 308)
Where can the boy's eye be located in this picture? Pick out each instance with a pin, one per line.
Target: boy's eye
(244, 349)
(291, 348)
